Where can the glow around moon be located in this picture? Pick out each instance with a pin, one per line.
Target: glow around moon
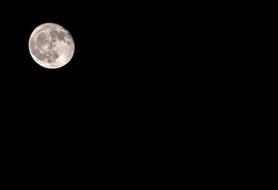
(51, 45)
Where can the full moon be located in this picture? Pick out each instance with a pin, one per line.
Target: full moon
(51, 46)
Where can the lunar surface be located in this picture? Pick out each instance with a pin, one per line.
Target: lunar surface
(51, 45)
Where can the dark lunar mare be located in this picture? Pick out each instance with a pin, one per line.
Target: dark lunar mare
(42, 39)
(55, 34)
(60, 35)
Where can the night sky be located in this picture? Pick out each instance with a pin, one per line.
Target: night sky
(99, 109)
(110, 80)
(148, 85)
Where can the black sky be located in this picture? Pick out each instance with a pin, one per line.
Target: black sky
(108, 40)
(111, 77)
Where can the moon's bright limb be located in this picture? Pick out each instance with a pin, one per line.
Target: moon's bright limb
(51, 45)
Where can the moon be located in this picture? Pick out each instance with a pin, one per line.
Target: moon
(51, 45)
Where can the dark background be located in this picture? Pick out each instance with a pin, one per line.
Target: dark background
(104, 100)
(112, 67)
(96, 118)
(115, 109)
